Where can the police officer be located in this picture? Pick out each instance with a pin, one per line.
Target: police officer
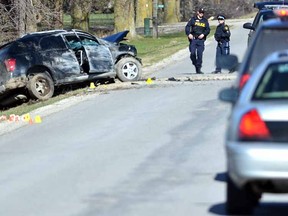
(197, 29)
(222, 36)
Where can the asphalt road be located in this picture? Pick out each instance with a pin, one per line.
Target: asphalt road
(149, 151)
(157, 149)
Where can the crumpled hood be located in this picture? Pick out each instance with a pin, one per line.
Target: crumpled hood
(116, 38)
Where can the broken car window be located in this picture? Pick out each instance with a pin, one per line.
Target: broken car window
(54, 42)
(88, 41)
(73, 42)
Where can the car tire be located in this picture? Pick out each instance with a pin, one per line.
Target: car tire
(128, 69)
(40, 86)
(240, 201)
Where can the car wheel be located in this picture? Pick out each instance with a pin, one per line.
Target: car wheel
(240, 201)
(128, 69)
(41, 86)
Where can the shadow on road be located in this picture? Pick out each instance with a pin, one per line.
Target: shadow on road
(264, 208)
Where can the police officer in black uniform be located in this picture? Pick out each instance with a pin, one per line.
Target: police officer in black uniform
(197, 29)
(222, 36)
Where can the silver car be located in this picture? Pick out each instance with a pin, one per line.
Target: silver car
(257, 135)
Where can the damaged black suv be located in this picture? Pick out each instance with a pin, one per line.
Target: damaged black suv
(39, 61)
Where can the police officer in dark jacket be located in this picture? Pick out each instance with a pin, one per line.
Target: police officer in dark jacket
(197, 29)
(222, 36)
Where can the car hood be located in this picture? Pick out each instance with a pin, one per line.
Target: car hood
(116, 38)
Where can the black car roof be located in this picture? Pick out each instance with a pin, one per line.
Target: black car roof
(43, 33)
(267, 12)
(55, 32)
(262, 5)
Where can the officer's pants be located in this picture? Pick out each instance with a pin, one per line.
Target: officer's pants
(196, 48)
(222, 49)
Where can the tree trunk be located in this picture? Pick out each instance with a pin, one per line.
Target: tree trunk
(124, 15)
(143, 10)
(186, 10)
(58, 22)
(21, 16)
(172, 11)
(80, 10)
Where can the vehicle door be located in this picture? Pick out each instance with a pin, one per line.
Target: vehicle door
(98, 56)
(56, 55)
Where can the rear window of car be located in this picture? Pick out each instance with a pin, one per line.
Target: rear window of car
(52, 42)
(274, 83)
(23, 46)
(268, 41)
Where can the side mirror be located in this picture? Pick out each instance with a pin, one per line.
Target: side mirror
(229, 62)
(229, 95)
(248, 26)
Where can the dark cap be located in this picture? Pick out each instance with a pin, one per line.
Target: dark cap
(201, 10)
(221, 17)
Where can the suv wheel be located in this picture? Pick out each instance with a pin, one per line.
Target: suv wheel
(240, 201)
(41, 86)
(128, 69)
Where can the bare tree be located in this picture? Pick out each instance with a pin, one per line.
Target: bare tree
(172, 11)
(124, 16)
(186, 10)
(143, 10)
(56, 12)
(80, 11)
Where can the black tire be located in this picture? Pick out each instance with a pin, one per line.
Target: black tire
(128, 69)
(240, 201)
(41, 86)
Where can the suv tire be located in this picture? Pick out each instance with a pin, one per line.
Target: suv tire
(40, 86)
(128, 69)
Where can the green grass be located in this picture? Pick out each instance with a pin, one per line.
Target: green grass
(152, 50)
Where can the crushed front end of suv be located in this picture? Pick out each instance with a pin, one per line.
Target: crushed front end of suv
(39, 61)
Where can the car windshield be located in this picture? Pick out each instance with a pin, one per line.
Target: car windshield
(270, 40)
(274, 83)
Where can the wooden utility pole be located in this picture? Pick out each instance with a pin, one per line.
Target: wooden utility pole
(155, 18)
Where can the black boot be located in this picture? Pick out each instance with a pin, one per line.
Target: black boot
(198, 70)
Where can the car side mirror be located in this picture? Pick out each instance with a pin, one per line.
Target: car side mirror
(229, 62)
(248, 26)
(229, 95)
